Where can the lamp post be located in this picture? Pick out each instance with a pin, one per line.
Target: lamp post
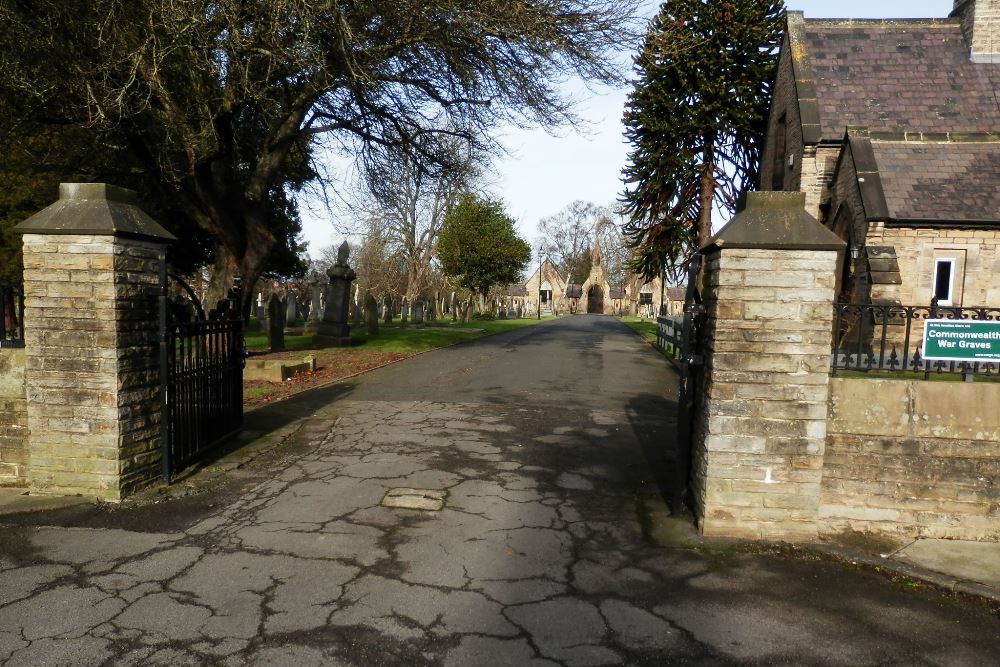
(539, 309)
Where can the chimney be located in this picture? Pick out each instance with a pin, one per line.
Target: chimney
(981, 27)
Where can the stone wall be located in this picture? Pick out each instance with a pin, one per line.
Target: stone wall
(977, 252)
(13, 419)
(912, 459)
(93, 389)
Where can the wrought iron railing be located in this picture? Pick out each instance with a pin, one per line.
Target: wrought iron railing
(11, 316)
(889, 338)
(669, 334)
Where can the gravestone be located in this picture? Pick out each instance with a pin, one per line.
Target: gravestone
(315, 309)
(404, 313)
(371, 315)
(454, 307)
(334, 327)
(418, 314)
(291, 309)
(275, 324)
(432, 312)
(387, 311)
(358, 306)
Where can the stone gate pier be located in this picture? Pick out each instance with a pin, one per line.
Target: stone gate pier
(759, 439)
(91, 281)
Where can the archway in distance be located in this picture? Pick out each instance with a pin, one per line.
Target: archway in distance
(595, 299)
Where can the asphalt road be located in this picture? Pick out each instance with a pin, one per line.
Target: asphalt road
(548, 446)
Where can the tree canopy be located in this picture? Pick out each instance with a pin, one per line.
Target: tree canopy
(411, 201)
(221, 102)
(695, 120)
(479, 245)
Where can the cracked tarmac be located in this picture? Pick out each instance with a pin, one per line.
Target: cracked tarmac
(538, 556)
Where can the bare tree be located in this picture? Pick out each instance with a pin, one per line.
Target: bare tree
(411, 200)
(568, 238)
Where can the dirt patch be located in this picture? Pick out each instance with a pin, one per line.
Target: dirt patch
(331, 366)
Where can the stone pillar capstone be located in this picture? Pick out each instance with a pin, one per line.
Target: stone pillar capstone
(761, 433)
(91, 280)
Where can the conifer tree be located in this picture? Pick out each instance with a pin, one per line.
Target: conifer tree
(696, 120)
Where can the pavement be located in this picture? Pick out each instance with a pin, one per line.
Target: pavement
(536, 463)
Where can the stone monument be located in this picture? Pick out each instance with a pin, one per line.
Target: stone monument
(358, 305)
(387, 311)
(371, 315)
(334, 327)
(418, 314)
(315, 309)
(275, 324)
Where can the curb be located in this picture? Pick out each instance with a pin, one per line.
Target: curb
(938, 579)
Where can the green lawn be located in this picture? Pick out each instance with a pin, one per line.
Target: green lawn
(407, 340)
(643, 327)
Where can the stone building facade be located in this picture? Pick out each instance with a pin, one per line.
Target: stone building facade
(597, 294)
(891, 128)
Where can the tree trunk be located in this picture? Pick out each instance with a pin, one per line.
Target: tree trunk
(243, 257)
(707, 194)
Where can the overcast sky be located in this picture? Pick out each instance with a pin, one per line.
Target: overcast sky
(543, 173)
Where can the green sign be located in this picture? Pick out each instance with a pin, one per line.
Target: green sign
(961, 340)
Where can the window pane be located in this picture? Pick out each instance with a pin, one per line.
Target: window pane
(942, 281)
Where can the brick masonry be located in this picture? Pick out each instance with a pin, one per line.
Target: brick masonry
(91, 371)
(13, 419)
(912, 459)
(761, 436)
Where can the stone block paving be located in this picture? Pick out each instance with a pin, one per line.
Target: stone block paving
(537, 557)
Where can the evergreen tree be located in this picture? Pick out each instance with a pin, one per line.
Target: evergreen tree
(696, 120)
(479, 245)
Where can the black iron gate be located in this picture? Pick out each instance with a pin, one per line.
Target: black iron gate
(691, 385)
(201, 372)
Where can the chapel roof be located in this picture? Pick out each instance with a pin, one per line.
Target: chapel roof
(517, 290)
(925, 181)
(891, 76)
(948, 181)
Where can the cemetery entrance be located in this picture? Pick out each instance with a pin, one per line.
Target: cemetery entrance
(201, 372)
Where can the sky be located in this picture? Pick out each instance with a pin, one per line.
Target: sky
(543, 172)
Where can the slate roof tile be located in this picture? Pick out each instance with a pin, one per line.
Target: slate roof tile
(940, 181)
(899, 76)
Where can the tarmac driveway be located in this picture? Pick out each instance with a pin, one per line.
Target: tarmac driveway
(544, 448)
